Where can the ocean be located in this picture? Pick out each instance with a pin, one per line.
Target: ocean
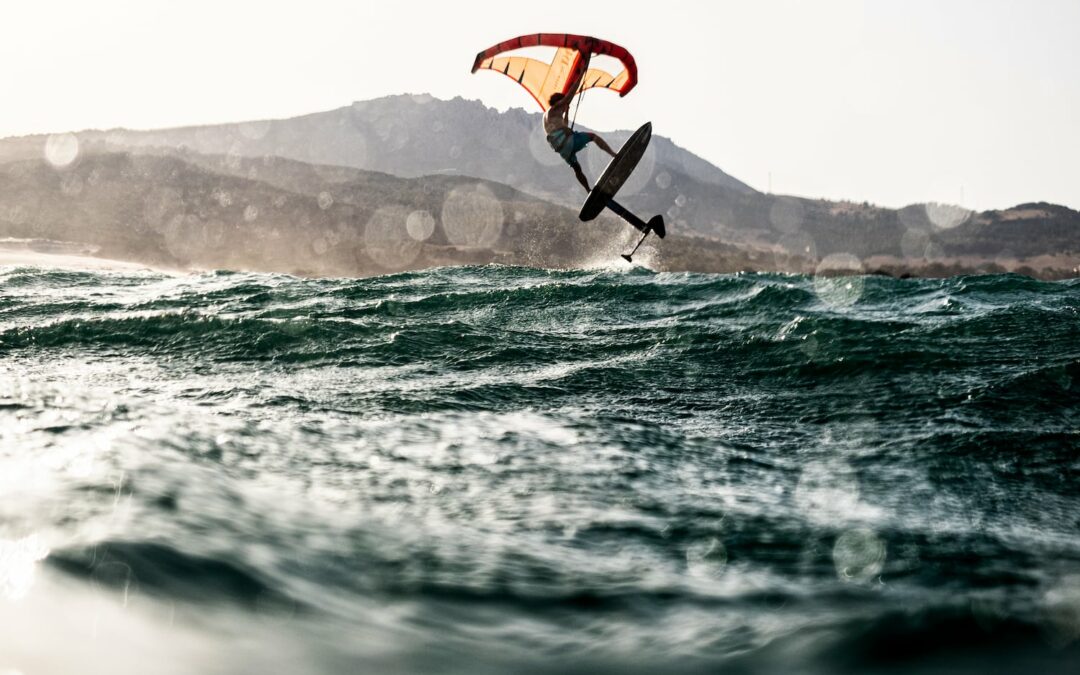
(511, 470)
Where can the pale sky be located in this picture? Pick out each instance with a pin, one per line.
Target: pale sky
(975, 102)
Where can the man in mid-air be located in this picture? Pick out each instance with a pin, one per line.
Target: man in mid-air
(564, 140)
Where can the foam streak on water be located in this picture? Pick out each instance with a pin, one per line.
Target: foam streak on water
(512, 470)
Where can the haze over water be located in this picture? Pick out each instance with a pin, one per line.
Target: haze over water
(500, 469)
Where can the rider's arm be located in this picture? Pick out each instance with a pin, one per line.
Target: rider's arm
(571, 91)
(572, 87)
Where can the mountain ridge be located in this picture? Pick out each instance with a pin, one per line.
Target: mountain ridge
(416, 136)
(280, 215)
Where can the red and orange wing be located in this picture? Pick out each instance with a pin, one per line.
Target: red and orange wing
(572, 53)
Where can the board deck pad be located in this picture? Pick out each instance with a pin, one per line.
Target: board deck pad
(617, 172)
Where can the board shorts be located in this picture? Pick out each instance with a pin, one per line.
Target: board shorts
(568, 144)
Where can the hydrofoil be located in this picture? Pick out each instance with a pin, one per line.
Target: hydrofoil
(615, 175)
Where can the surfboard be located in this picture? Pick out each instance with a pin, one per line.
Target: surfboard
(617, 172)
(615, 175)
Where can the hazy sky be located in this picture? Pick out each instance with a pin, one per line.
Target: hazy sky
(891, 101)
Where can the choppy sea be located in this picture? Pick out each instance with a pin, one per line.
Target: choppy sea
(510, 470)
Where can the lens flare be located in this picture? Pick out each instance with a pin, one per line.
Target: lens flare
(859, 555)
(540, 150)
(387, 240)
(706, 559)
(61, 149)
(838, 281)
(913, 243)
(796, 252)
(472, 216)
(947, 216)
(420, 225)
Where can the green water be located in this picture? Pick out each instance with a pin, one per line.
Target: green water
(498, 469)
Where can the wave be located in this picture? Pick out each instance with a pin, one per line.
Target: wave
(161, 570)
(587, 460)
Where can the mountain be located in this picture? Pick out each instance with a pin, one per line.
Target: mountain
(423, 138)
(1047, 228)
(274, 214)
(412, 136)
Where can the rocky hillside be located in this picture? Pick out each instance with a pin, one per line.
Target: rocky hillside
(281, 215)
(437, 142)
(411, 136)
(1047, 229)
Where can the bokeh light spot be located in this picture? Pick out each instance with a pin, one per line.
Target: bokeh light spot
(61, 149)
(386, 238)
(796, 252)
(420, 225)
(838, 281)
(913, 243)
(947, 216)
(859, 555)
(540, 149)
(472, 216)
(706, 559)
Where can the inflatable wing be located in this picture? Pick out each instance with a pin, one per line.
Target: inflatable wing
(572, 55)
